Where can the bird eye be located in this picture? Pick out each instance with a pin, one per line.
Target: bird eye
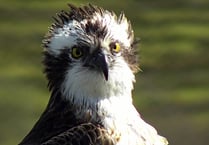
(115, 47)
(76, 52)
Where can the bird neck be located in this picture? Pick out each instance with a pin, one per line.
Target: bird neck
(98, 100)
(108, 102)
(105, 99)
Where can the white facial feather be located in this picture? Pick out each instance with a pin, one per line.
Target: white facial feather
(64, 37)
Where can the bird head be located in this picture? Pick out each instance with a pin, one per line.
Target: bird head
(91, 52)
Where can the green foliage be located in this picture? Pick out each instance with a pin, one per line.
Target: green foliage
(171, 92)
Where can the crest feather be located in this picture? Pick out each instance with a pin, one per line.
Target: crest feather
(86, 23)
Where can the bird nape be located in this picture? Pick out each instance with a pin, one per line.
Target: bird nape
(90, 60)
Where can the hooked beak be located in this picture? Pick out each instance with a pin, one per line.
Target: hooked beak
(98, 61)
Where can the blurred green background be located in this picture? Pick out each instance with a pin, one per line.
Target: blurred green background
(172, 92)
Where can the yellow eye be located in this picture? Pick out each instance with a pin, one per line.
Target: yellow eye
(115, 47)
(76, 52)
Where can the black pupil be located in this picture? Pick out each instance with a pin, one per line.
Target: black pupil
(78, 52)
(113, 46)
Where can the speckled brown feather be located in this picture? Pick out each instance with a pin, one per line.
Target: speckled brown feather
(87, 133)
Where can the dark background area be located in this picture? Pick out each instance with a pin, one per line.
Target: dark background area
(172, 92)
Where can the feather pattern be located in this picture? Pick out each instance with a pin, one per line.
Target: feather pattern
(87, 133)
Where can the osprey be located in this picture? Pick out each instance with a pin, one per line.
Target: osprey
(90, 60)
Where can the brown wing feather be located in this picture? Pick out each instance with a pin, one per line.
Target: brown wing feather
(84, 134)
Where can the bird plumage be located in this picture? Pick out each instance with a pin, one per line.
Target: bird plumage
(86, 133)
(90, 60)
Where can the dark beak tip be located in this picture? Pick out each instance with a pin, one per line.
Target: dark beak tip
(106, 75)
